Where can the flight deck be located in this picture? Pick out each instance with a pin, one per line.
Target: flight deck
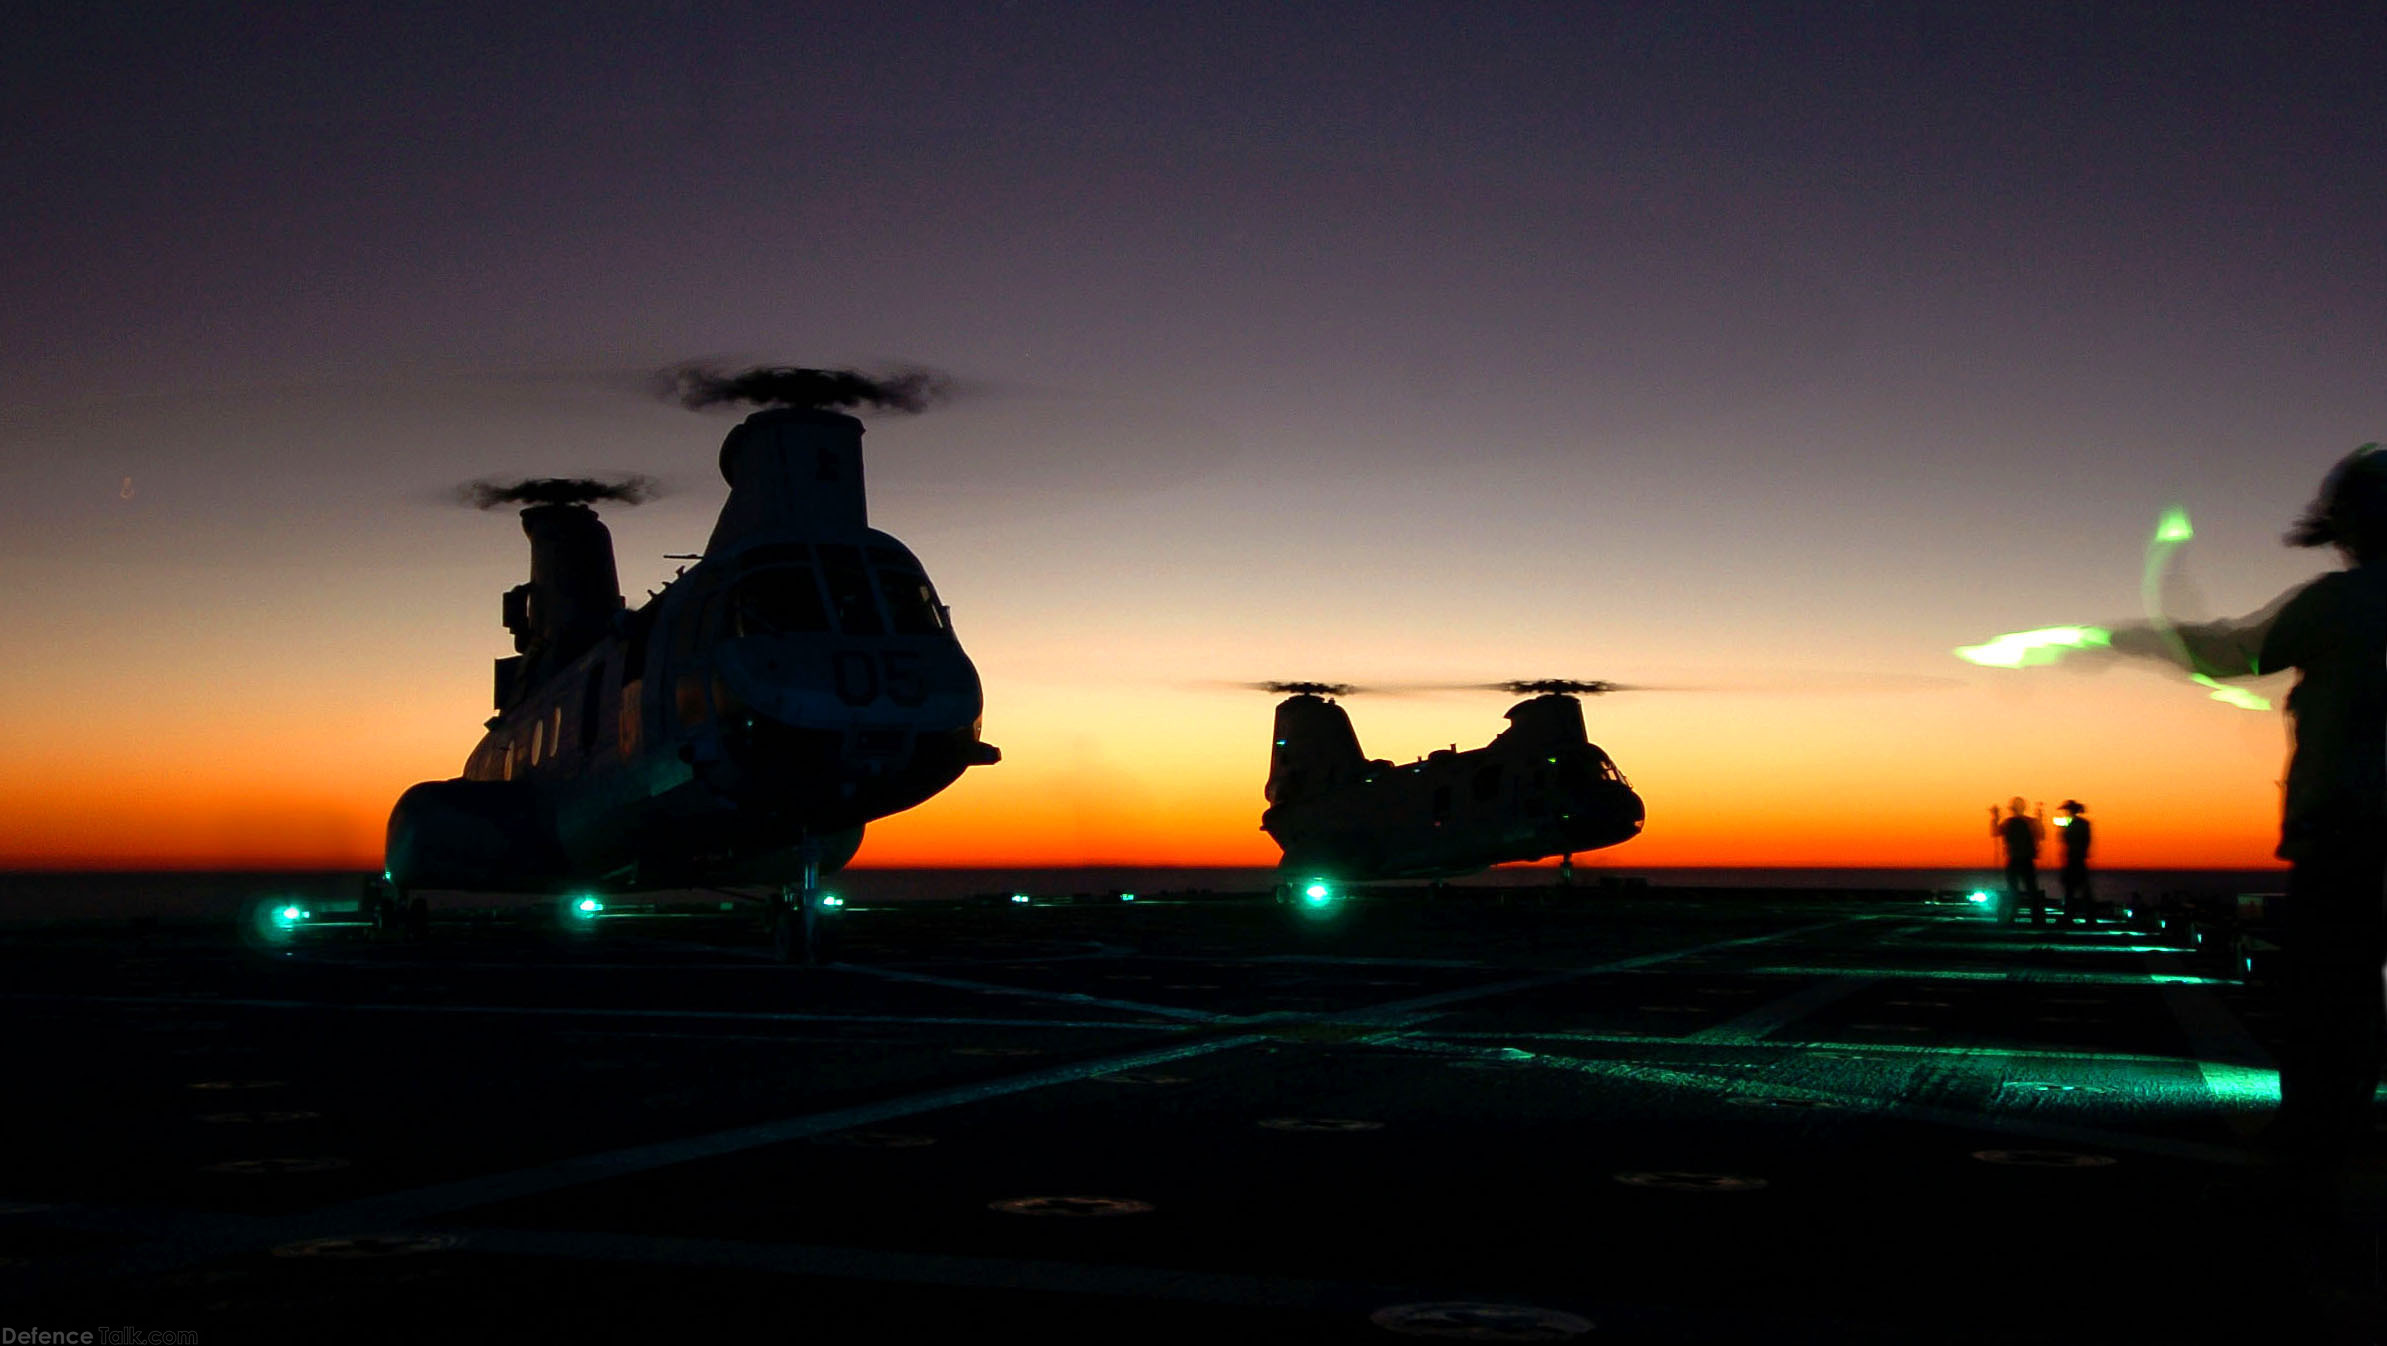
(1529, 1114)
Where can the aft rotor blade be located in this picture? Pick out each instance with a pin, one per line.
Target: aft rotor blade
(1771, 684)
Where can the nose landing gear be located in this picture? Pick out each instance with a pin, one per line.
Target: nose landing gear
(796, 912)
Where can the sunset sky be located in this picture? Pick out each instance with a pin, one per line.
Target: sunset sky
(1778, 347)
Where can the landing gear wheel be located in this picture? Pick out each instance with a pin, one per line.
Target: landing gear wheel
(378, 905)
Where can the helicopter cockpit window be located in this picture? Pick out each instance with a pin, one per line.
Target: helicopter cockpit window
(911, 604)
(782, 600)
(850, 596)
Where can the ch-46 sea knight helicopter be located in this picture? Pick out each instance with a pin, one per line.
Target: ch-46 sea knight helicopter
(1538, 789)
(797, 681)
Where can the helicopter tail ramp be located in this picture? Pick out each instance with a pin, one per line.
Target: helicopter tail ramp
(1315, 749)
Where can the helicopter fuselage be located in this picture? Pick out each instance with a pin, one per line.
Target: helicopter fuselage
(1539, 789)
(799, 680)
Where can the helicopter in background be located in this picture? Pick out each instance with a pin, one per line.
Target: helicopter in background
(799, 680)
(1540, 788)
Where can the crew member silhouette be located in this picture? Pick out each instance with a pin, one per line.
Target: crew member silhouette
(2020, 833)
(2333, 936)
(2075, 827)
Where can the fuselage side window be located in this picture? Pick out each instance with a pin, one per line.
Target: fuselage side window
(688, 698)
(538, 731)
(911, 604)
(850, 596)
(631, 713)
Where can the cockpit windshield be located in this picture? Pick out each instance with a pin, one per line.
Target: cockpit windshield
(850, 596)
(1580, 768)
(782, 600)
(911, 604)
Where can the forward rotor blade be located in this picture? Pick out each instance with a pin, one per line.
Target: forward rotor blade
(1296, 687)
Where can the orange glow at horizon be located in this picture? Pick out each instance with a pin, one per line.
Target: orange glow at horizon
(267, 779)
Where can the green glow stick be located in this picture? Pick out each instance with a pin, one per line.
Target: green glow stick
(2047, 645)
(2235, 696)
(2171, 530)
(2030, 649)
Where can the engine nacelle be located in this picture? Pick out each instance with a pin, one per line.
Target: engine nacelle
(472, 834)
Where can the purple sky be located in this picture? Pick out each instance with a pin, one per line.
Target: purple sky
(1460, 339)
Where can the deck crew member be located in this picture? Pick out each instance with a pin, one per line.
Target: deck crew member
(2020, 834)
(2075, 827)
(2333, 939)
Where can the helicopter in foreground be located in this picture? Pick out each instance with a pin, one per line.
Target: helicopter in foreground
(1540, 788)
(797, 681)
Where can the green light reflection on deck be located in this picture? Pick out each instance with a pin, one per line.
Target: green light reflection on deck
(1968, 974)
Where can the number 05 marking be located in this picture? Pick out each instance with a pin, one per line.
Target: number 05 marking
(894, 674)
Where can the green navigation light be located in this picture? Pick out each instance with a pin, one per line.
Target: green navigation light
(1127, 897)
(1978, 897)
(831, 901)
(1317, 892)
(290, 915)
(587, 908)
(2030, 649)
(1020, 899)
(2174, 526)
